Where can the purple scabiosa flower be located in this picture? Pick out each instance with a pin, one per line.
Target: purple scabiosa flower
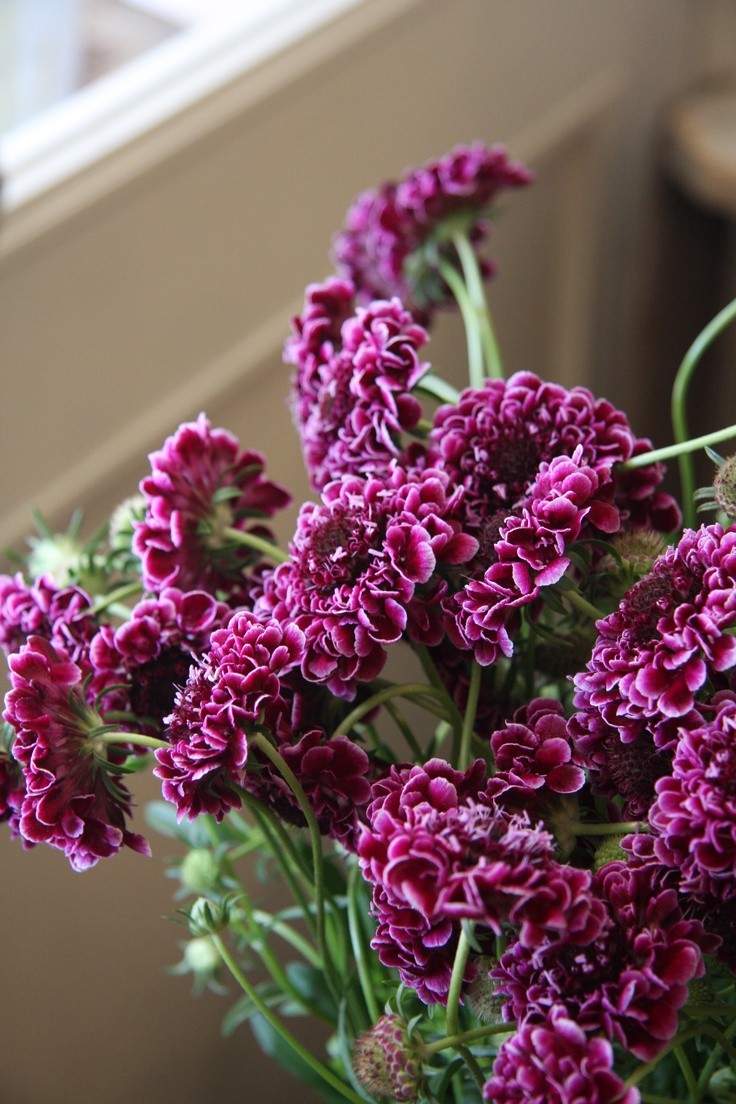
(629, 980)
(616, 769)
(73, 798)
(438, 851)
(146, 658)
(528, 554)
(334, 774)
(555, 1062)
(667, 639)
(62, 615)
(235, 685)
(360, 561)
(533, 752)
(392, 234)
(200, 486)
(351, 392)
(694, 814)
(494, 439)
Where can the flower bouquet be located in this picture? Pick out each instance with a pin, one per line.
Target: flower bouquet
(512, 871)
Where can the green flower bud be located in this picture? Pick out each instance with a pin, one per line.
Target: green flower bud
(201, 956)
(208, 917)
(200, 871)
(481, 995)
(724, 487)
(385, 1062)
(609, 850)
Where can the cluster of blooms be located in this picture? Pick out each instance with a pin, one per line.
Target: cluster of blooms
(580, 671)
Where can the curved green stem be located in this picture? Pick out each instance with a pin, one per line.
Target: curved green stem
(106, 600)
(306, 1056)
(136, 738)
(434, 387)
(258, 544)
(287, 933)
(452, 1018)
(412, 690)
(624, 827)
(359, 953)
(474, 282)
(679, 402)
(465, 1037)
(264, 745)
(575, 598)
(473, 336)
(466, 737)
(670, 451)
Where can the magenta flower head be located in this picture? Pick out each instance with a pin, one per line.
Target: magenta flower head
(439, 851)
(393, 235)
(668, 638)
(628, 980)
(74, 799)
(351, 392)
(62, 615)
(358, 561)
(694, 814)
(145, 659)
(236, 685)
(533, 754)
(202, 487)
(555, 1062)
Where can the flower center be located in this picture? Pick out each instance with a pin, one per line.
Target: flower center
(666, 587)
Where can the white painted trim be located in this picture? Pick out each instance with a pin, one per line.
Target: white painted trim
(127, 123)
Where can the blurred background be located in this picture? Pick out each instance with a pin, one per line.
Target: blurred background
(172, 174)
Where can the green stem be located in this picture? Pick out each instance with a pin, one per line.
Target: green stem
(306, 1056)
(258, 544)
(576, 600)
(624, 827)
(476, 290)
(670, 451)
(679, 402)
(473, 336)
(405, 729)
(287, 933)
(356, 940)
(283, 852)
(264, 745)
(434, 387)
(687, 1070)
(411, 690)
(466, 737)
(136, 738)
(452, 1017)
(465, 1037)
(106, 600)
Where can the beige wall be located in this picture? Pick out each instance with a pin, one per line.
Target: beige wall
(163, 286)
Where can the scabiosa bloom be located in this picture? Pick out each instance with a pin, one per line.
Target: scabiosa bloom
(436, 845)
(358, 562)
(72, 800)
(667, 639)
(384, 246)
(200, 486)
(334, 774)
(41, 608)
(694, 814)
(146, 658)
(235, 685)
(555, 1062)
(494, 440)
(529, 553)
(351, 393)
(629, 980)
(533, 751)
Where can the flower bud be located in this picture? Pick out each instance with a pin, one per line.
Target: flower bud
(481, 995)
(385, 1063)
(208, 917)
(724, 487)
(199, 871)
(609, 850)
